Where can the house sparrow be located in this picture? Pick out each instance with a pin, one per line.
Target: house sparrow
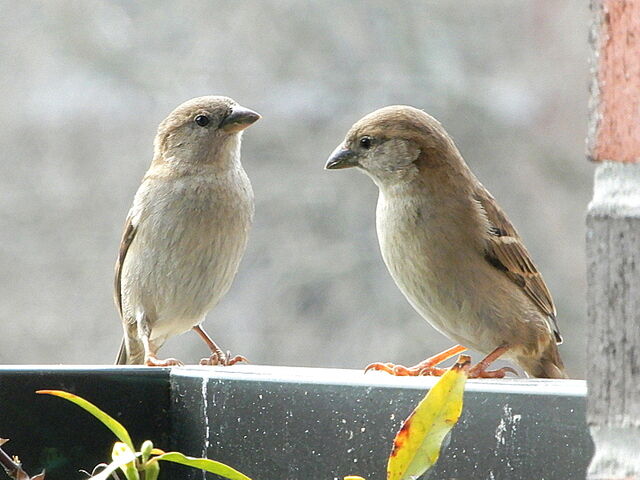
(186, 231)
(450, 248)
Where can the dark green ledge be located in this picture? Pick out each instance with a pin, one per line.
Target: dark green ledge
(276, 423)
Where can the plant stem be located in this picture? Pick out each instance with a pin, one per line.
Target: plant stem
(13, 469)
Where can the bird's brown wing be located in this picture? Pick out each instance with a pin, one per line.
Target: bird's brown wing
(127, 237)
(506, 252)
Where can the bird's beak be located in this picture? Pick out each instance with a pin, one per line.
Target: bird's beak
(341, 158)
(239, 119)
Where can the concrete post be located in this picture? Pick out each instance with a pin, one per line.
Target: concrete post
(613, 242)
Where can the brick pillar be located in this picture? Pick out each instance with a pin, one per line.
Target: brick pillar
(613, 242)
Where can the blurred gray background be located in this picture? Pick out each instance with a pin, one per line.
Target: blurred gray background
(85, 83)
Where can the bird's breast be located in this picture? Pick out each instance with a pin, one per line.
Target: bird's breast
(191, 236)
(432, 261)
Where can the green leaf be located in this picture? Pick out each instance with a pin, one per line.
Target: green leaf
(111, 423)
(151, 470)
(203, 464)
(146, 448)
(417, 445)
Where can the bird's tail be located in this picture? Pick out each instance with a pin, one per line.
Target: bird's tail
(121, 359)
(547, 365)
(133, 357)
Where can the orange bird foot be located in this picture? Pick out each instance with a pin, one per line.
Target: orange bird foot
(476, 372)
(153, 361)
(428, 367)
(222, 359)
(480, 369)
(401, 370)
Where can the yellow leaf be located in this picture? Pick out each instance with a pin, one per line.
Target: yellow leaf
(417, 445)
(126, 458)
(121, 455)
(353, 477)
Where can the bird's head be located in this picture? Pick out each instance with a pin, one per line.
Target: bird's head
(392, 142)
(201, 128)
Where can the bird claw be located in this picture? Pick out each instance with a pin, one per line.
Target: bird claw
(479, 371)
(422, 369)
(425, 368)
(153, 361)
(402, 371)
(223, 359)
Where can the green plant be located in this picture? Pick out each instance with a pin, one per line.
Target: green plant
(143, 464)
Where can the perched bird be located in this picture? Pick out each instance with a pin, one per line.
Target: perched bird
(186, 231)
(450, 248)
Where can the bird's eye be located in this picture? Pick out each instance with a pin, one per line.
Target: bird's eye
(366, 142)
(202, 120)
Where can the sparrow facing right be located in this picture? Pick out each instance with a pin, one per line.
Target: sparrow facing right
(450, 248)
(186, 231)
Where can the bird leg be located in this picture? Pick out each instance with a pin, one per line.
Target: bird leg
(150, 358)
(480, 369)
(426, 367)
(218, 357)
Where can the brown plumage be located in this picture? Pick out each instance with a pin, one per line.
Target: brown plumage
(448, 245)
(507, 252)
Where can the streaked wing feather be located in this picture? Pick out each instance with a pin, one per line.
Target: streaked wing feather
(507, 252)
(127, 237)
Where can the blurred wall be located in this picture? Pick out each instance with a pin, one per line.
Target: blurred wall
(85, 83)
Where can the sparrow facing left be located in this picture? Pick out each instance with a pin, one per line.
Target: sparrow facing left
(449, 246)
(187, 229)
